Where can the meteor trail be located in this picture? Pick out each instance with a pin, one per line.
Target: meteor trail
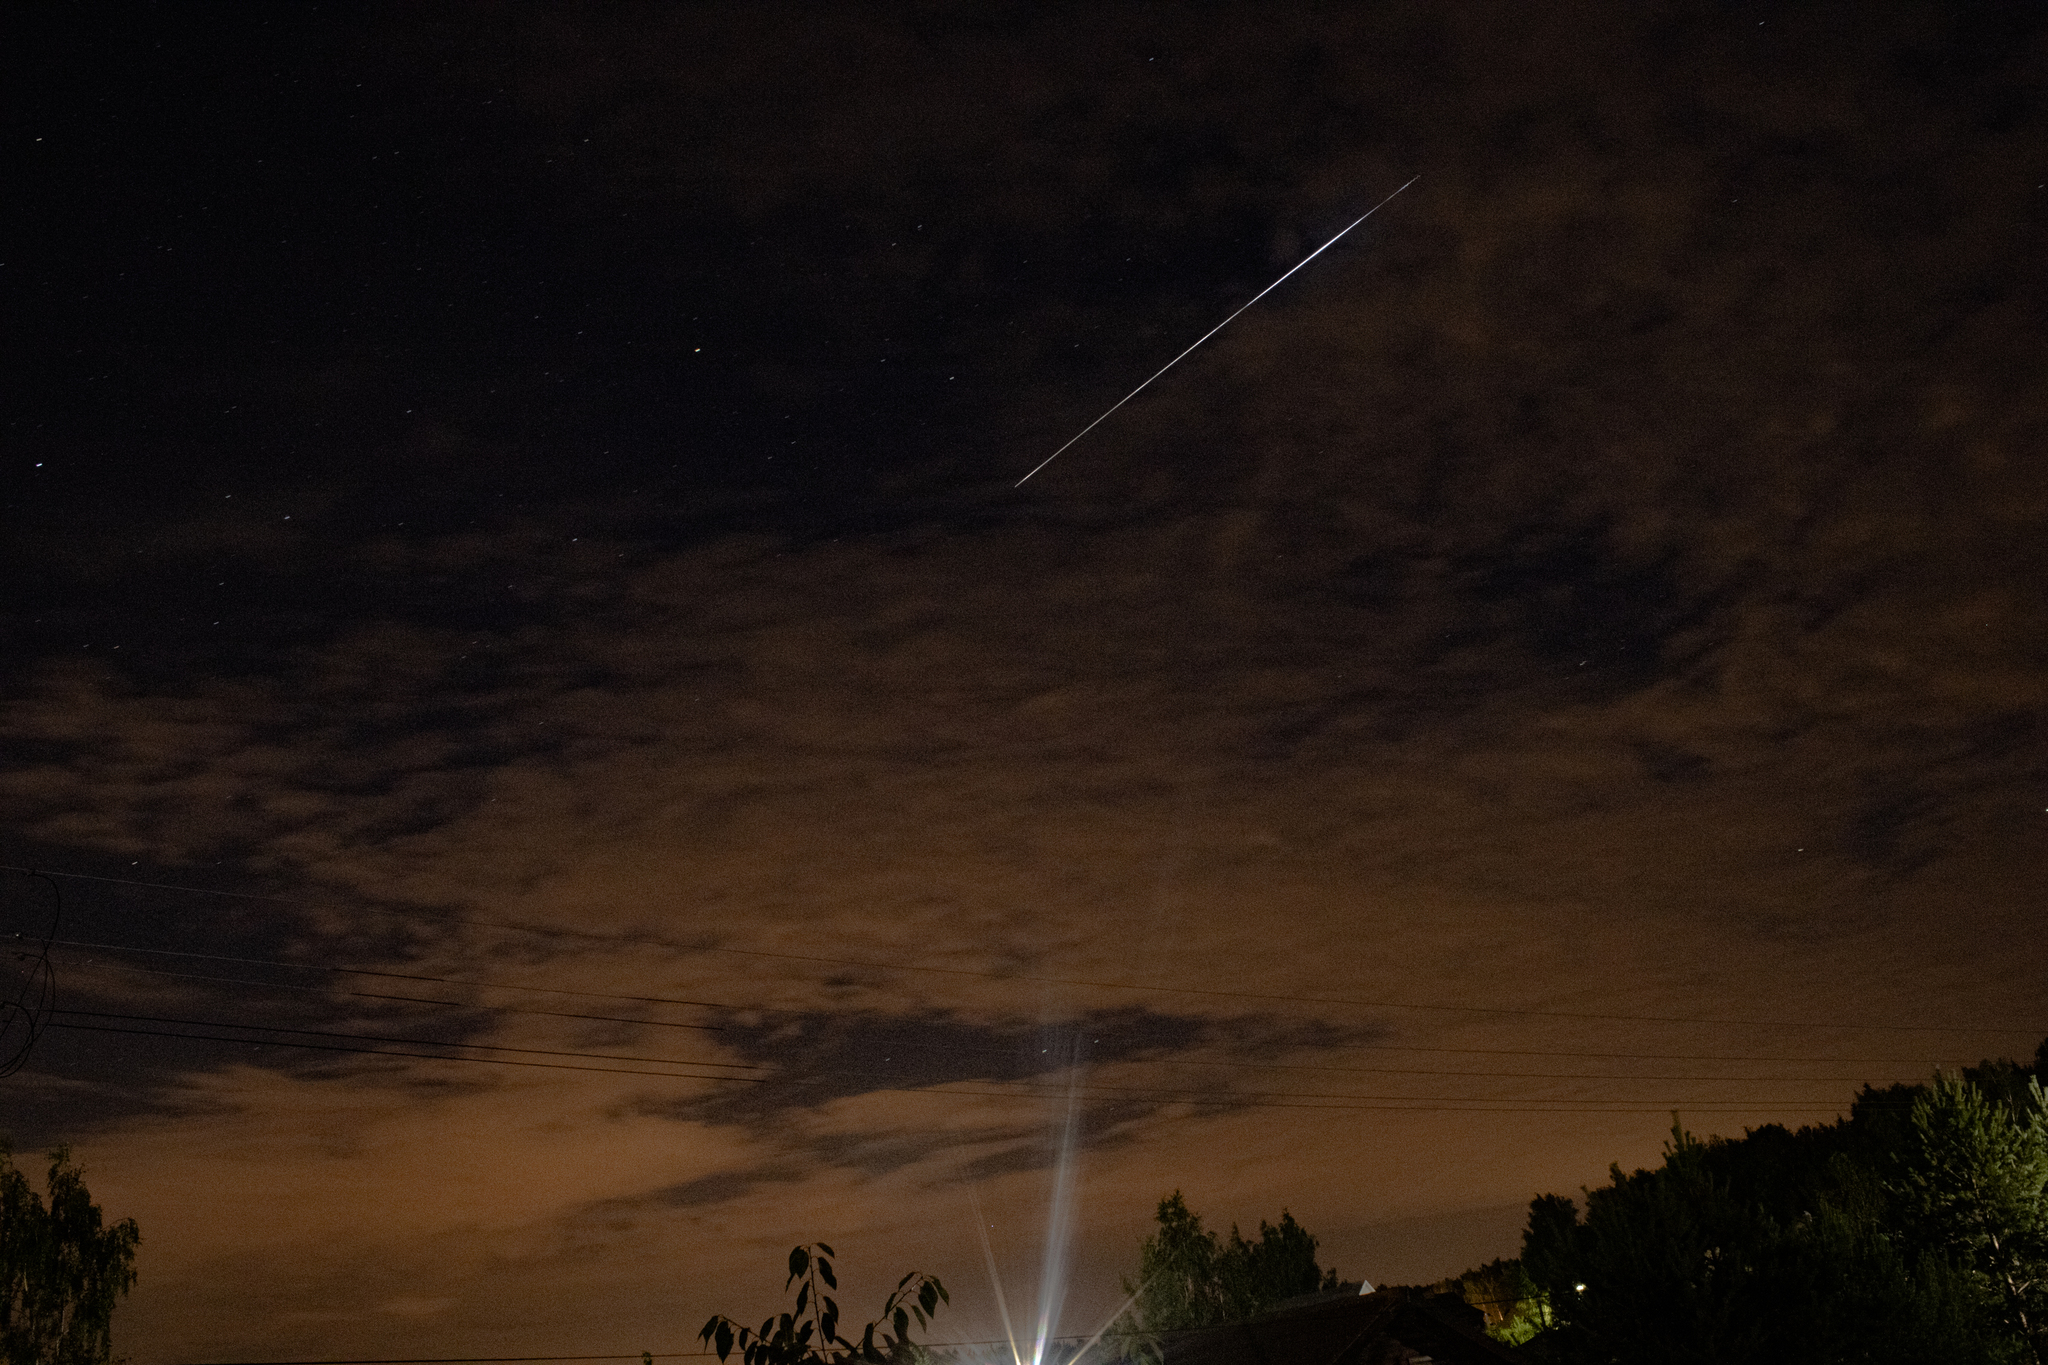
(1213, 331)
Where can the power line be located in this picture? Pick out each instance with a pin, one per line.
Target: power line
(158, 886)
(26, 1010)
(384, 1052)
(409, 1042)
(1225, 1101)
(1024, 1087)
(1285, 1099)
(504, 1359)
(401, 976)
(639, 1355)
(1364, 1004)
(1193, 1062)
(658, 941)
(948, 1049)
(327, 992)
(685, 1355)
(1417, 1104)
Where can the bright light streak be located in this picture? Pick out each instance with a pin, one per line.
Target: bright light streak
(1107, 1323)
(1059, 1228)
(1059, 1235)
(1212, 332)
(995, 1280)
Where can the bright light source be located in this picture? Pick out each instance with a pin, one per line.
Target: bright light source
(1059, 1234)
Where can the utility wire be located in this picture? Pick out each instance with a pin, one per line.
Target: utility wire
(496, 1360)
(505, 1360)
(409, 1042)
(676, 945)
(329, 992)
(950, 1049)
(157, 886)
(1373, 1004)
(687, 1355)
(386, 1052)
(504, 986)
(1474, 1107)
(1224, 1102)
(402, 976)
(25, 1012)
(638, 1355)
(1029, 1086)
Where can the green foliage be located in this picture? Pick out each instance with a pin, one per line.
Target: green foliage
(1281, 1265)
(1916, 1230)
(1976, 1190)
(1514, 1307)
(810, 1334)
(1189, 1277)
(1178, 1283)
(61, 1270)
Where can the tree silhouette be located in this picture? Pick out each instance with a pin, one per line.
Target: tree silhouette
(1914, 1230)
(810, 1335)
(1189, 1277)
(61, 1270)
(1976, 1188)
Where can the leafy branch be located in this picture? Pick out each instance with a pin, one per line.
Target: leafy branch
(810, 1335)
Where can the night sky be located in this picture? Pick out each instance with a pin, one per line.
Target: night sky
(510, 543)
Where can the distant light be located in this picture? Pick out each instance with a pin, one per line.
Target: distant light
(1579, 1288)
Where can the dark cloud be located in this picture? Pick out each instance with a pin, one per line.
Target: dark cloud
(835, 1054)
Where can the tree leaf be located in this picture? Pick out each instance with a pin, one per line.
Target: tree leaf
(799, 1262)
(825, 1272)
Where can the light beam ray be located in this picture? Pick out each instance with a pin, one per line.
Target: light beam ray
(1212, 332)
(1059, 1231)
(995, 1280)
(1107, 1323)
